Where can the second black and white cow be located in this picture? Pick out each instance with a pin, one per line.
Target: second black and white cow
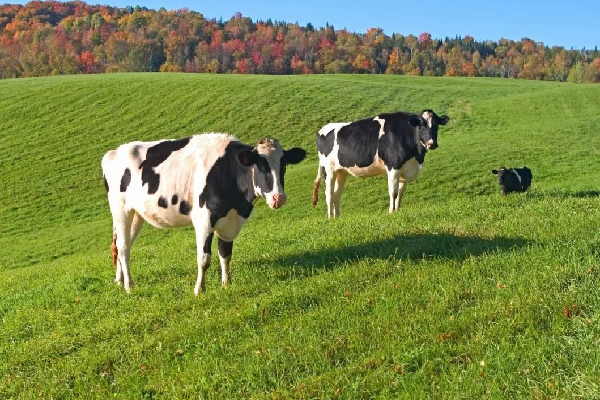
(513, 179)
(394, 144)
(210, 181)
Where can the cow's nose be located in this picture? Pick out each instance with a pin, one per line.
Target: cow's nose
(279, 199)
(431, 145)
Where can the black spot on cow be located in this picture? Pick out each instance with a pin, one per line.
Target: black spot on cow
(358, 143)
(155, 156)
(207, 243)
(184, 207)
(174, 199)
(125, 179)
(162, 202)
(229, 183)
(225, 248)
(263, 178)
(105, 183)
(135, 152)
(282, 170)
(325, 142)
(401, 140)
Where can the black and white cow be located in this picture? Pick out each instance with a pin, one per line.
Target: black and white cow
(513, 179)
(394, 144)
(210, 181)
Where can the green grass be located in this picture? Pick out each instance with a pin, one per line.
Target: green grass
(464, 293)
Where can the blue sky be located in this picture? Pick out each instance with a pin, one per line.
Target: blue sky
(553, 22)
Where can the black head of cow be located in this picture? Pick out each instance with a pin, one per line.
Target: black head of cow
(427, 128)
(268, 161)
(501, 172)
(508, 181)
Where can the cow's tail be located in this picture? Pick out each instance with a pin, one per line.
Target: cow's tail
(113, 248)
(320, 173)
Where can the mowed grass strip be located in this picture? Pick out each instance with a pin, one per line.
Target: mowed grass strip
(464, 293)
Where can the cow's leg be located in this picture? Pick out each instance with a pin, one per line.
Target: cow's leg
(393, 176)
(329, 187)
(340, 182)
(136, 226)
(122, 229)
(401, 185)
(225, 249)
(204, 236)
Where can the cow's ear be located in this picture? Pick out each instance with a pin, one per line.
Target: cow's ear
(495, 171)
(443, 120)
(414, 122)
(248, 157)
(294, 155)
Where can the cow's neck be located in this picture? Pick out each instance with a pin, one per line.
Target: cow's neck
(419, 150)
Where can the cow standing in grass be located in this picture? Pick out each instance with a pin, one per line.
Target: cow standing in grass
(513, 179)
(394, 144)
(210, 181)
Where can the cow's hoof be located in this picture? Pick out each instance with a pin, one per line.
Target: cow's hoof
(118, 283)
(198, 290)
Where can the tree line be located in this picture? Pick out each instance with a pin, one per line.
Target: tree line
(51, 38)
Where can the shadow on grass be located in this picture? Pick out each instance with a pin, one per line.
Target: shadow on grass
(584, 194)
(412, 247)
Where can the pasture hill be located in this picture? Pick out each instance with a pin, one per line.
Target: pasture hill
(463, 293)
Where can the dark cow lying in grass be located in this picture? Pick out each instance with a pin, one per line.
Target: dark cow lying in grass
(210, 181)
(394, 144)
(513, 179)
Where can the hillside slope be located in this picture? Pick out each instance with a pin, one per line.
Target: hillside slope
(462, 293)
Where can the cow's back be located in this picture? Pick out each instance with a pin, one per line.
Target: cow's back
(164, 176)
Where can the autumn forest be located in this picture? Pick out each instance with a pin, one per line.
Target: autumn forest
(52, 38)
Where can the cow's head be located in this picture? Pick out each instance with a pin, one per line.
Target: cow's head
(508, 179)
(501, 172)
(268, 161)
(427, 127)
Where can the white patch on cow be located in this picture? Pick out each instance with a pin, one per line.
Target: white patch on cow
(517, 174)
(257, 191)
(228, 227)
(428, 117)
(377, 167)
(332, 126)
(382, 123)
(410, 170)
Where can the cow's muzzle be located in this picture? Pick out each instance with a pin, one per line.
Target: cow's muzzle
(277, 200)
(431, 145)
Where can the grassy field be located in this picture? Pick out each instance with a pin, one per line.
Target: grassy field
(462, 294)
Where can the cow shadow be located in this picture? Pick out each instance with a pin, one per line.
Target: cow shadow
(583, 194)
(416, 247)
